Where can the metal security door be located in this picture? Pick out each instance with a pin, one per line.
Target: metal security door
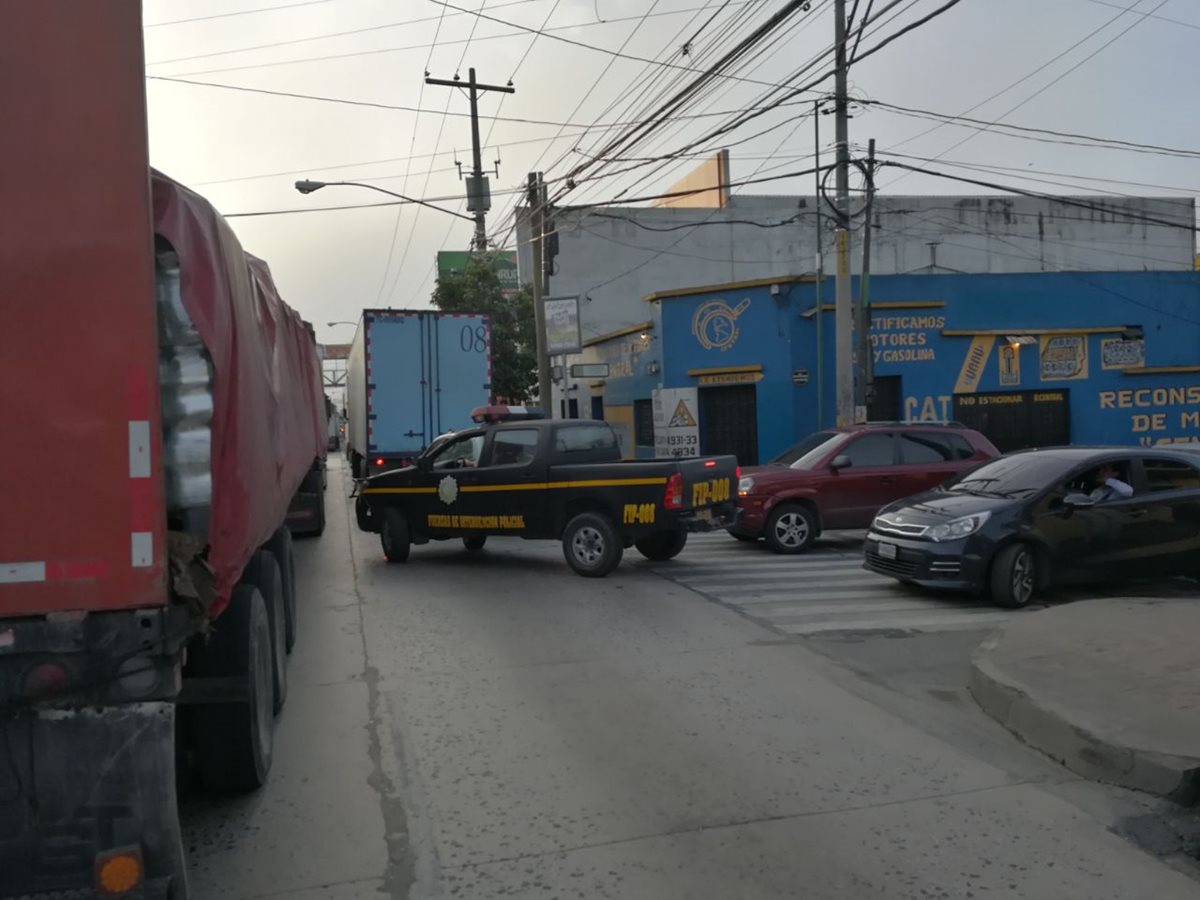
(729, 422)
(1017, 420)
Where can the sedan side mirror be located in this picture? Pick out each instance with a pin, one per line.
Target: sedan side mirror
(1078, 501)
(841, 461)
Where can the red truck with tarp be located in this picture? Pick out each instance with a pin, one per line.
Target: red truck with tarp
(171, 426)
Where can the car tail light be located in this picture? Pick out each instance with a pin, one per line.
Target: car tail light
(710, 464)
(45, 679)
(737, 473)
(379, 462)
(673, 498)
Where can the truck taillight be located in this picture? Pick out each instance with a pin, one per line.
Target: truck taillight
(45, 679)
(379, 462)
(673, 498)
(737, 473)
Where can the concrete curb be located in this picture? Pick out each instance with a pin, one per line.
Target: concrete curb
(1015, 706)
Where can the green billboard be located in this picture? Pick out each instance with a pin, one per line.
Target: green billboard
(504, 264)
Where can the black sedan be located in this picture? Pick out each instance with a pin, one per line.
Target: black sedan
(1028, 520)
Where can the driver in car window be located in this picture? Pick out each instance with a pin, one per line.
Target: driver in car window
(1109, 486)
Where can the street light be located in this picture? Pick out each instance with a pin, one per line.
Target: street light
(307, 186)
(332, 324)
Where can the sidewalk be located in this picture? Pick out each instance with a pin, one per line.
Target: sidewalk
(1110, 688)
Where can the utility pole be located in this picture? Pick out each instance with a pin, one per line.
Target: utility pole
(843, 345)
(820, 266)
(479, 195)
(865, 391)
(536, 198)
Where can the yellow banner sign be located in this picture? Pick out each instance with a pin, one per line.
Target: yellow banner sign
(732, 378)
(974, 363)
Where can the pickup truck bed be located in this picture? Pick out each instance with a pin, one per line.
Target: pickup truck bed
(560, 480)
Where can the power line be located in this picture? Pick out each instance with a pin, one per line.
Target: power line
(592, 47)
(518, 31)
(240, 12)
(1087, 37)
(1066, 201)
(328, 36)
(1055, 81)
(1069, 136)
(1148, 15)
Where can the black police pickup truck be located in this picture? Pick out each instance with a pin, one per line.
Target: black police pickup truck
(547, 480)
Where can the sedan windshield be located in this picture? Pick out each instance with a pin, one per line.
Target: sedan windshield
(799, 455)
(1021, 475)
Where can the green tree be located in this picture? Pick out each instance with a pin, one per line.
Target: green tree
(514, 354)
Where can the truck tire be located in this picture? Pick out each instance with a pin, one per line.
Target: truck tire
(280, 546)
(791, 528)
(395, 536)
(475, 542)
(265, 574)
(319, 528)
(233, 743)
(591, 545)
(662, 545)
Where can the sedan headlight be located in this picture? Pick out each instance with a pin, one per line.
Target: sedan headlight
(745, 485)
(959, 528)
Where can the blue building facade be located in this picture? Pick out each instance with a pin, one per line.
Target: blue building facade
(1029, 359)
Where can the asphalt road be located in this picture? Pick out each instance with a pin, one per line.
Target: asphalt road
(491, 725)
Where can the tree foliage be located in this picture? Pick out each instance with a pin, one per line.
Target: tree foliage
(514, 354)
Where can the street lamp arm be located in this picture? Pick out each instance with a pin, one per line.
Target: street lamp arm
(307, 187)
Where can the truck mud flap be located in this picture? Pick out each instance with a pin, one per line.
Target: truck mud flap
(78, 784)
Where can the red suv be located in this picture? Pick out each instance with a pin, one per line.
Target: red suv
(841, 477)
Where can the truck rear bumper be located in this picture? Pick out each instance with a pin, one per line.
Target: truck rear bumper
(77, 784)
(716, 518)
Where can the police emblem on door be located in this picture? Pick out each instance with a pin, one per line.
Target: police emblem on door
(448, 490)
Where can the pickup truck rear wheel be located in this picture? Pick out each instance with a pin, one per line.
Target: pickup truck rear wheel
(475, 541)
(395, 536)
(791, 528)
(591, 545)
(662, 545)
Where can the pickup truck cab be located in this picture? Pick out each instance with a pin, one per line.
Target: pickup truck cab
(548, 480)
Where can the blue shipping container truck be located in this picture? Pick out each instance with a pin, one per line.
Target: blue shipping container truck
(412, 375)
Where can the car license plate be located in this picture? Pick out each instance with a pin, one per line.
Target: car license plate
(887, 551)
(704, 515)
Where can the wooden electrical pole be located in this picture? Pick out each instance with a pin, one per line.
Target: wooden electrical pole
(479, 195)
(536, 199)
(843, 343)
(865, 385)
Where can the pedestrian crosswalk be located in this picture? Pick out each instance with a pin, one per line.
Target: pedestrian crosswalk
(827, 592)
(823, 592)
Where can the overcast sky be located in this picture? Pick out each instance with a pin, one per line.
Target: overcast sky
(1134, 79)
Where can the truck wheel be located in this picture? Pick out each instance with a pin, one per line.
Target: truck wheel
(591, 545)
(280, 546)
(395, 536)
(791, 528)
(319, 528)
(662, 546)
(233, 742)
(475, 541)
(264, 573)
(1014, 576)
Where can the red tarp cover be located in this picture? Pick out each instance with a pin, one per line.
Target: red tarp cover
(268, 418)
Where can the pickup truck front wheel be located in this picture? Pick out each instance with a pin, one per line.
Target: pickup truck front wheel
(591, 545)
(662, 545)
